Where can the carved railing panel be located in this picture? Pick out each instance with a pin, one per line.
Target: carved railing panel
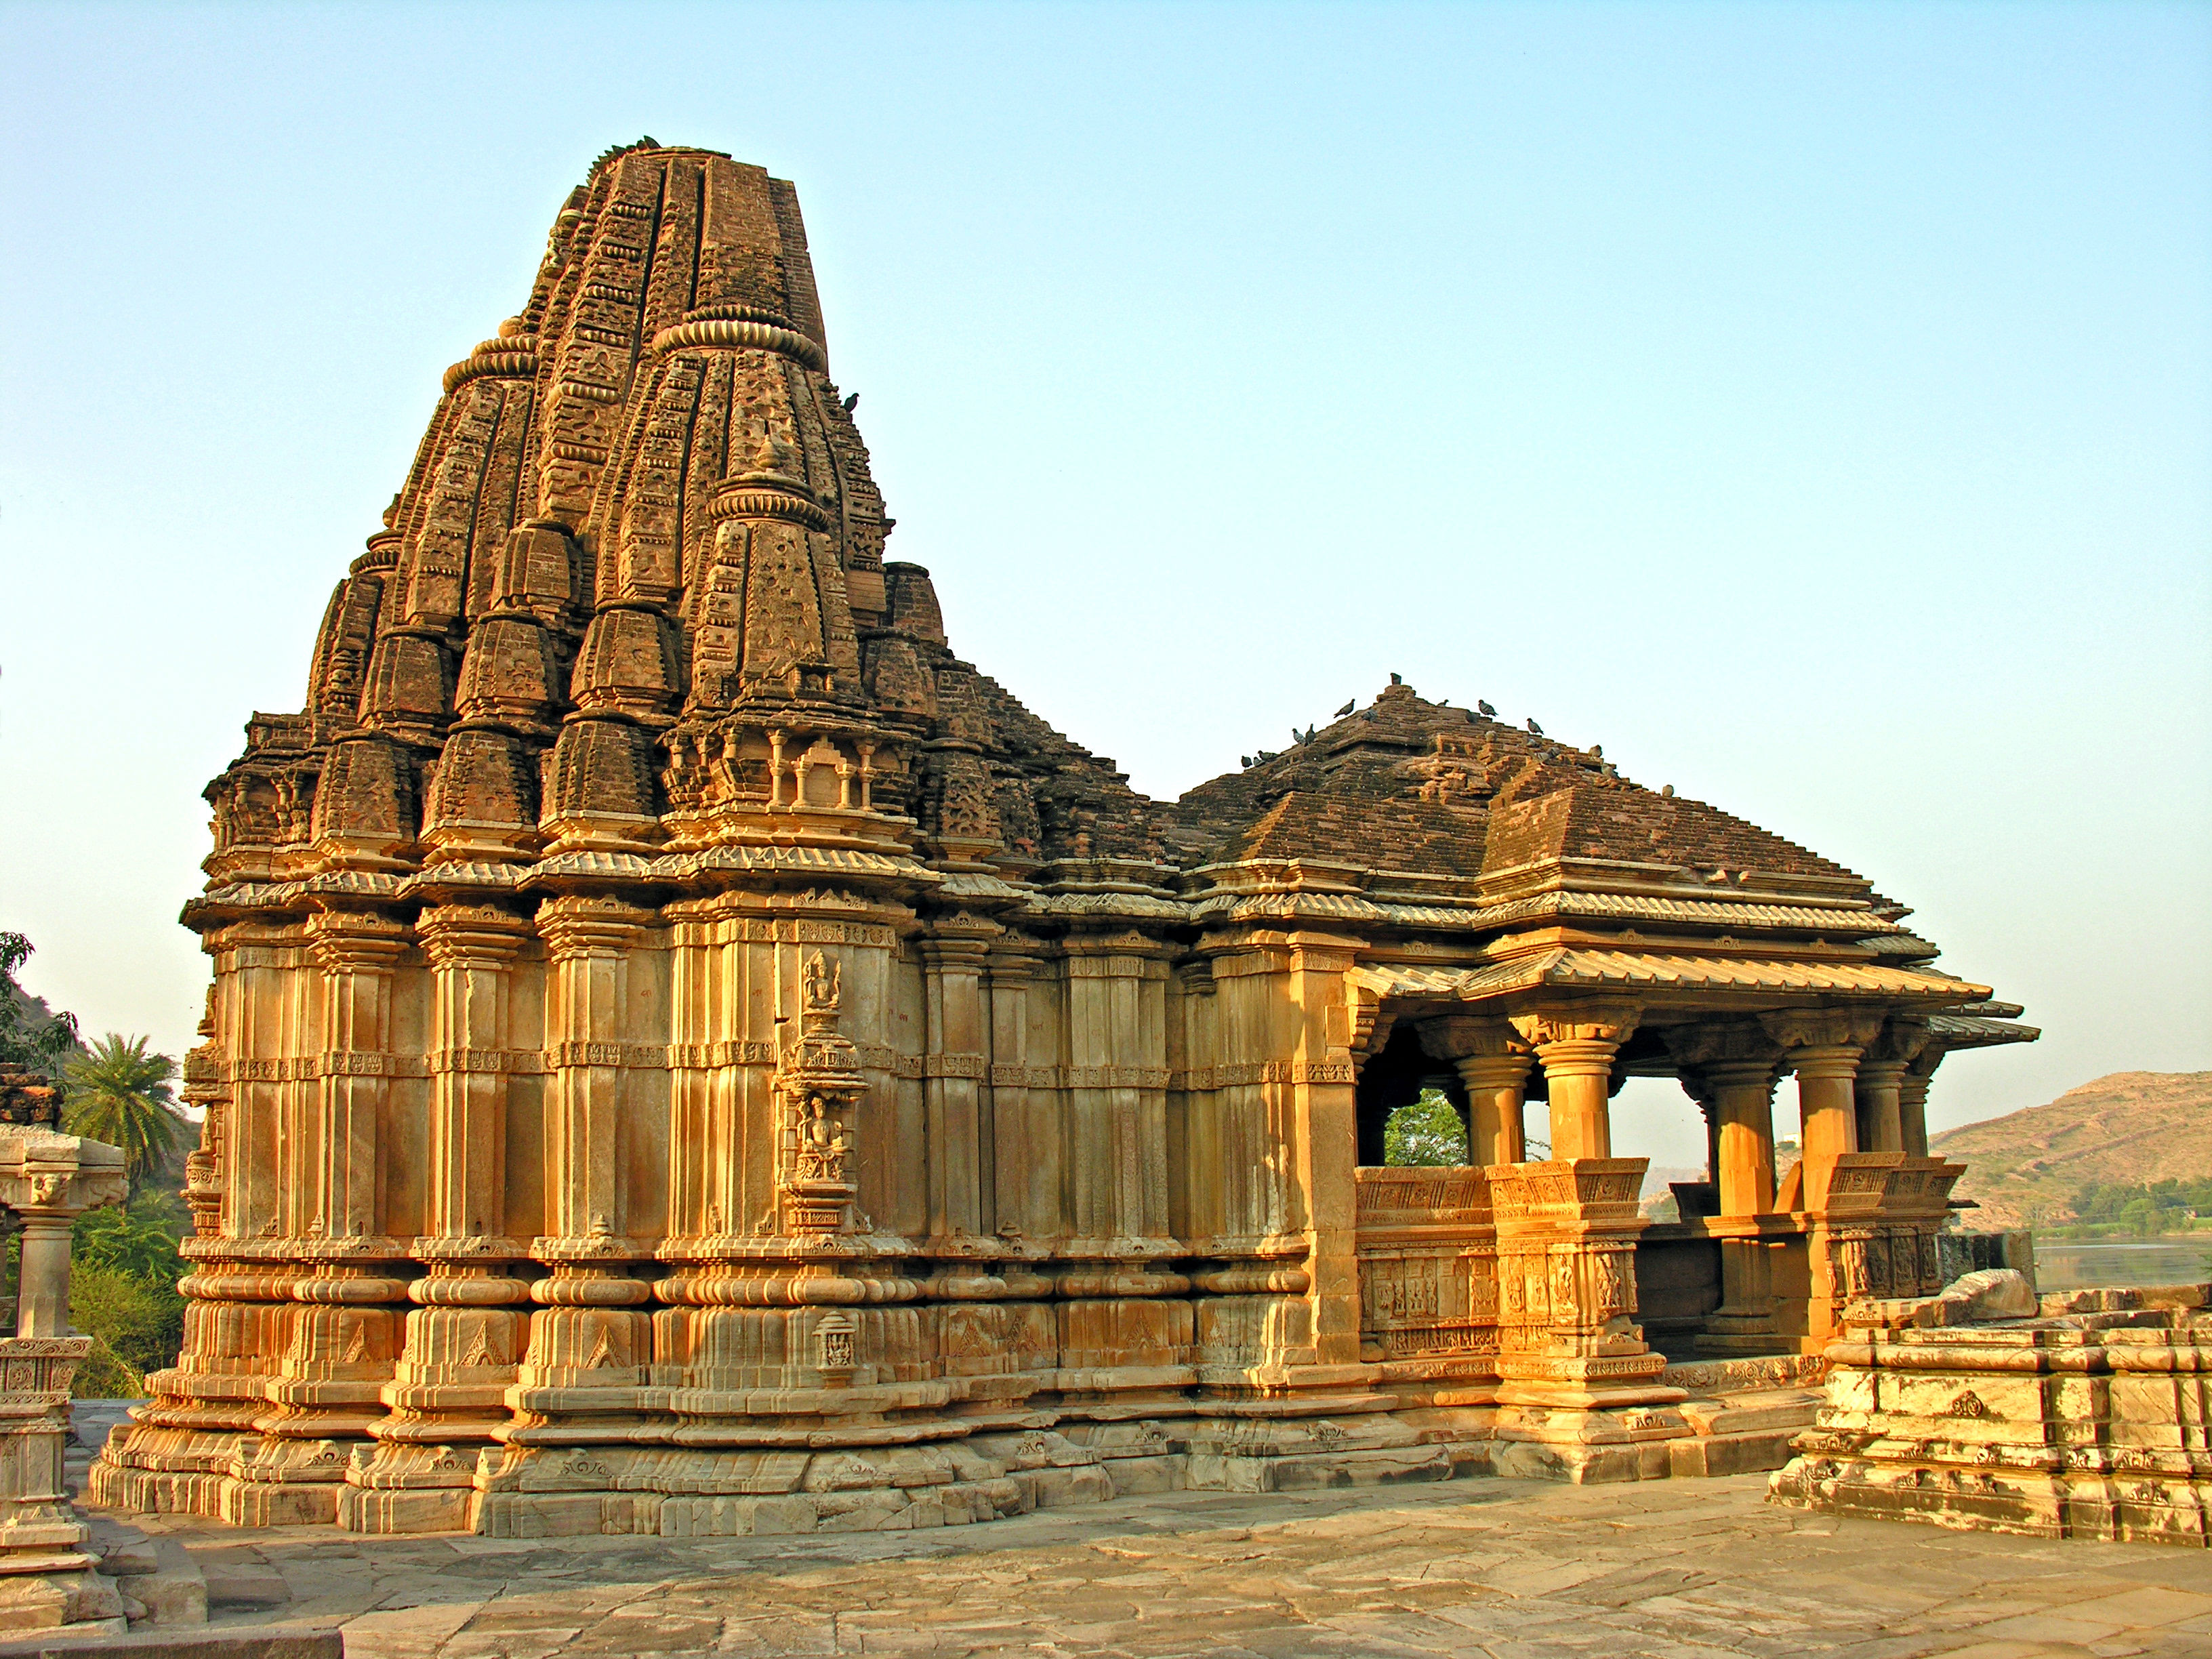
(1428, 1270)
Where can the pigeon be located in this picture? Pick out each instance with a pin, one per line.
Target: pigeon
(1483, 708)
(1246, 759)
(1533, 726)
(1346, 709)
(851, 403)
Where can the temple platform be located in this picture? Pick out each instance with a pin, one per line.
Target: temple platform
(1525, 1567)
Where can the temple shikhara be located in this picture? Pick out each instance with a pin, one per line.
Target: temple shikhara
(689, 1053)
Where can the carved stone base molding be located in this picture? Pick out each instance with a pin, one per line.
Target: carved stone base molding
(1566, 1268)
(2088, 1422)
(47, 1580)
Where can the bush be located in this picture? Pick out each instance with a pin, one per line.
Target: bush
(141, 1239)
(139, 1321)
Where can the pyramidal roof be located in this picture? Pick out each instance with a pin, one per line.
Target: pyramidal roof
(633, 591)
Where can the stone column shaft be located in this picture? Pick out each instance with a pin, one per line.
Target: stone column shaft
(1576, 1043)
(960, 1150)
(1495, 1085)
(1912, 1106)
(466, 1332)
(42, 1296)
(1743, 1117)
(1877, 1089)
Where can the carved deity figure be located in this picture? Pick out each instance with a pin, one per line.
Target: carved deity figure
(822, 1143)
(820, 985)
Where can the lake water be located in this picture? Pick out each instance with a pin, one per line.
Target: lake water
(2177, 1259)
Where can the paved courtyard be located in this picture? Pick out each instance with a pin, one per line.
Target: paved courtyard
(1505, 1568)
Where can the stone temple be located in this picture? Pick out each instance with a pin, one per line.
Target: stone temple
(689, 1053)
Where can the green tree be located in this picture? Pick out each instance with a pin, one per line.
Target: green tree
(29, 1035)
(1426, 1132)
(119, 1093)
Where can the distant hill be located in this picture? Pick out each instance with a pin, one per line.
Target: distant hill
(2124, 1129)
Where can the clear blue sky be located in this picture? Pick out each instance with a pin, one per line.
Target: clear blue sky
(1811, 403)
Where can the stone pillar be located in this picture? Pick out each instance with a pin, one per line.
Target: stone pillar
(1912, 1100)
(1026, 1149)
(447, 1394)
(590, 1341)
(42, 1288)
(1576, 1043)
(47, 1179)
(1879, 1084)
(1326, 1141)
(1492, 1062)
(346, 1333)
(1731, 1066)
(1574, 1371)
(1823, 1048)
(960, 1146)
(1115, 1308)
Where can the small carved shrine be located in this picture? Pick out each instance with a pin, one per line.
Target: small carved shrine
(689, 1053)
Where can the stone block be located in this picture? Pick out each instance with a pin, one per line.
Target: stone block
(1131, 1477)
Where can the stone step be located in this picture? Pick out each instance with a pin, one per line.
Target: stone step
(157, 1573)
(261, 1643)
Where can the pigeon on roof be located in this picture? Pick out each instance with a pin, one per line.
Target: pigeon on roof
(1346, 709)
(1533, 726)
(1483, 708)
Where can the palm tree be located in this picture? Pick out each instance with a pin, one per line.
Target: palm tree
(119, 1093)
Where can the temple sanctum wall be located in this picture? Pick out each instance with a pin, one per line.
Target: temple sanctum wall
(689, 1053)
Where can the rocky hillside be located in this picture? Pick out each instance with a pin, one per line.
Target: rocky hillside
(2127, 1129)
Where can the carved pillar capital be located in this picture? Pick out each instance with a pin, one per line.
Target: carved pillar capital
(357, 941)
(1592, 1024)
(470, 935)
(1576, 1043)
(1734, 1043)
(1901, 1041)
(574, 928)
(1467, 1036)
(1822, 1042)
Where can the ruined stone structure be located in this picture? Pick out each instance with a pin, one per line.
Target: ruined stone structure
(47, 1179)
(2088, 1415)
(689, 1053)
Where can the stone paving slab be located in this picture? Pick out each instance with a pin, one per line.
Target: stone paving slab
(1501, 1569)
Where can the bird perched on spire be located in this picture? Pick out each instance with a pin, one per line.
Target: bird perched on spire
(1483, 708)
(1346, 709)
(1533, 726)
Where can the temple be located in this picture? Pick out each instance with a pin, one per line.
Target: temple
(689, 1053)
